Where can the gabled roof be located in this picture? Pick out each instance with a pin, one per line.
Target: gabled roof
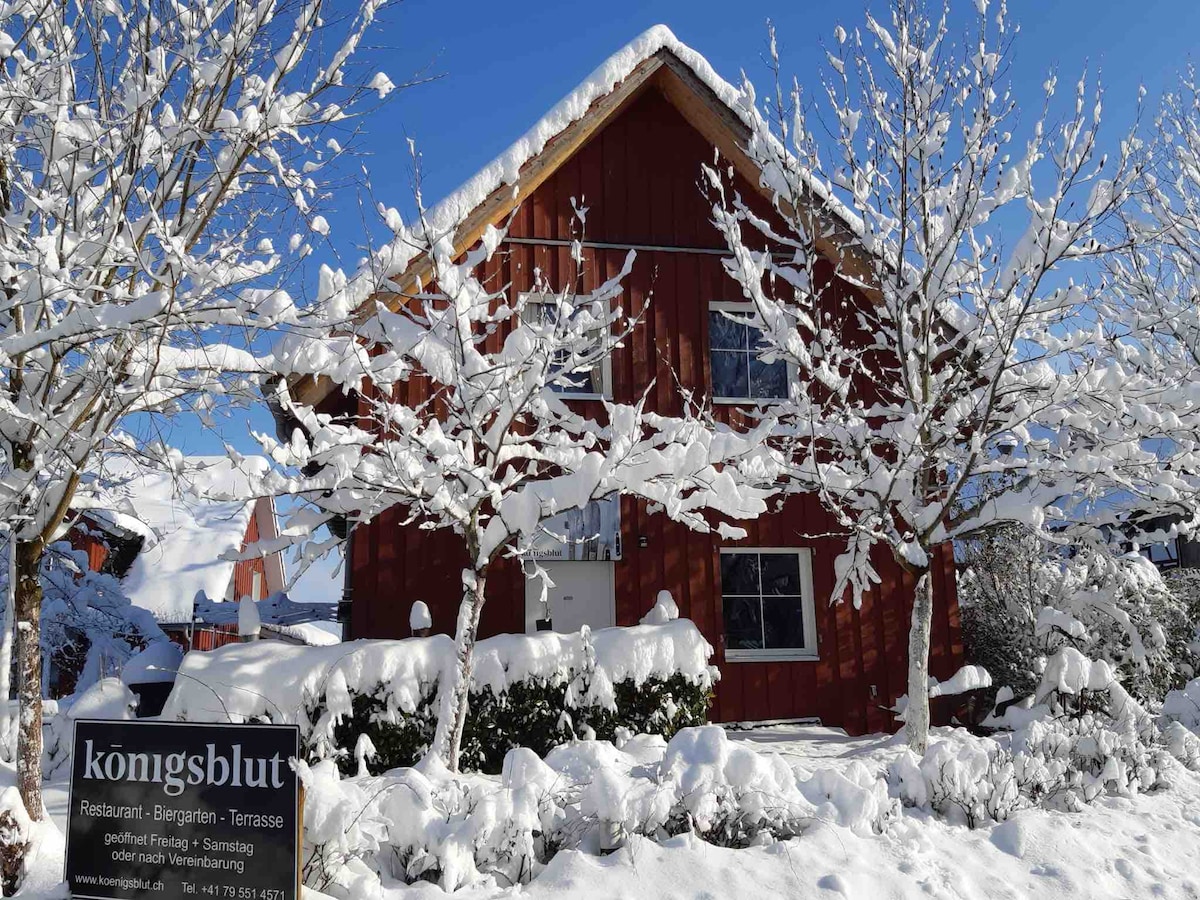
(719, 111)
(190, 539)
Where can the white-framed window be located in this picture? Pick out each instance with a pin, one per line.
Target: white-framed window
(738, 375)
(256, 590)
(582, 384)
(767, 602)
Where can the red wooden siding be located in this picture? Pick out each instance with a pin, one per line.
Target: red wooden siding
(245, 569)
(639, 177)
(84, 536)
(210, 637)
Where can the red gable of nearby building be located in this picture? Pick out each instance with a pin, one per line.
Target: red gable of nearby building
(634, 158)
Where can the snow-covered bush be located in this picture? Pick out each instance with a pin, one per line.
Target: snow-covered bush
(1023, 598)
(537, 707)
(528, 690)
(1180, 723)
(1080, 735)
(108, 698)
(426, 824)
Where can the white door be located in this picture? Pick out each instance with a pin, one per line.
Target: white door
(583, 594)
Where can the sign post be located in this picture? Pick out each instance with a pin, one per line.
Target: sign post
(166, 810)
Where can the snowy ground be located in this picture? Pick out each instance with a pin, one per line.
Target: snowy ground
(1145, 847)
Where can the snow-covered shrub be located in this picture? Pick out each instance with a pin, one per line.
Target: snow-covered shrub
(108, 698)
(515, 704)
(1183, 705)
(426, 824)
(1023, 598)
(529, 690)
(1079, 736)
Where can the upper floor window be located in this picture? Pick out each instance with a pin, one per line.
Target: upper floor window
(767, 602)
(738, 375)
(590, 383)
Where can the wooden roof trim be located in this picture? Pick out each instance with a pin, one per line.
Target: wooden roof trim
(725, 130)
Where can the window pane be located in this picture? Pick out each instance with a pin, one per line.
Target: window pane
(729, 373)
(743, 623)
(768, 381)
(581, 382)
(783, 622)
(541, 313)
(725, 334)
(739, 573)
(780, 573)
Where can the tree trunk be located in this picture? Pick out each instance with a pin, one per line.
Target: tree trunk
(6, 648)
(29, 651)
(916, 724)
(455, 691)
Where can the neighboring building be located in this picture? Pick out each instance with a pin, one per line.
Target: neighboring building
(654, 114)
(167, 542)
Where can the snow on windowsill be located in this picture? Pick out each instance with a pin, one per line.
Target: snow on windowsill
(748, 401)
(771, 656)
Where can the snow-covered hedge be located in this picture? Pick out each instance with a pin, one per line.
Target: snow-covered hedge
(374, 702)
(425, 824)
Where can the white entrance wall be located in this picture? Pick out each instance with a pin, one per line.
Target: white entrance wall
(583, 594)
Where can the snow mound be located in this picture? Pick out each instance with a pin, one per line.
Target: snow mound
(1183, 706)
(108, 698)
(664, 610)
(249, 622)
(968, 678)
(419, 617)
(156, 664)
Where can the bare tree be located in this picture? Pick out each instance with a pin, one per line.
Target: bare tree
(466, 423)
(970, 382)
(150, 151)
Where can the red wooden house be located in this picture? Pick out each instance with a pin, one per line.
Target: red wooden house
(166, 544)
(629, 144)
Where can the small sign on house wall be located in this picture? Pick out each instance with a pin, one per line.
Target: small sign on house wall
(167, 810)
(590, 534)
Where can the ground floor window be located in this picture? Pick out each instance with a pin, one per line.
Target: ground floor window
(767, 596)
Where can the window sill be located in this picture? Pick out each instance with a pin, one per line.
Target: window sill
(748, 401)
(771, 656)
(563, 395)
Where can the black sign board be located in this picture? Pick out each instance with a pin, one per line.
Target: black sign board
(166, 810)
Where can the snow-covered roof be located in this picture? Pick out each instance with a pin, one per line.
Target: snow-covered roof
(188, 535)
(506, 167)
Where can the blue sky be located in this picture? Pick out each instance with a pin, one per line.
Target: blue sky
(500, 66)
